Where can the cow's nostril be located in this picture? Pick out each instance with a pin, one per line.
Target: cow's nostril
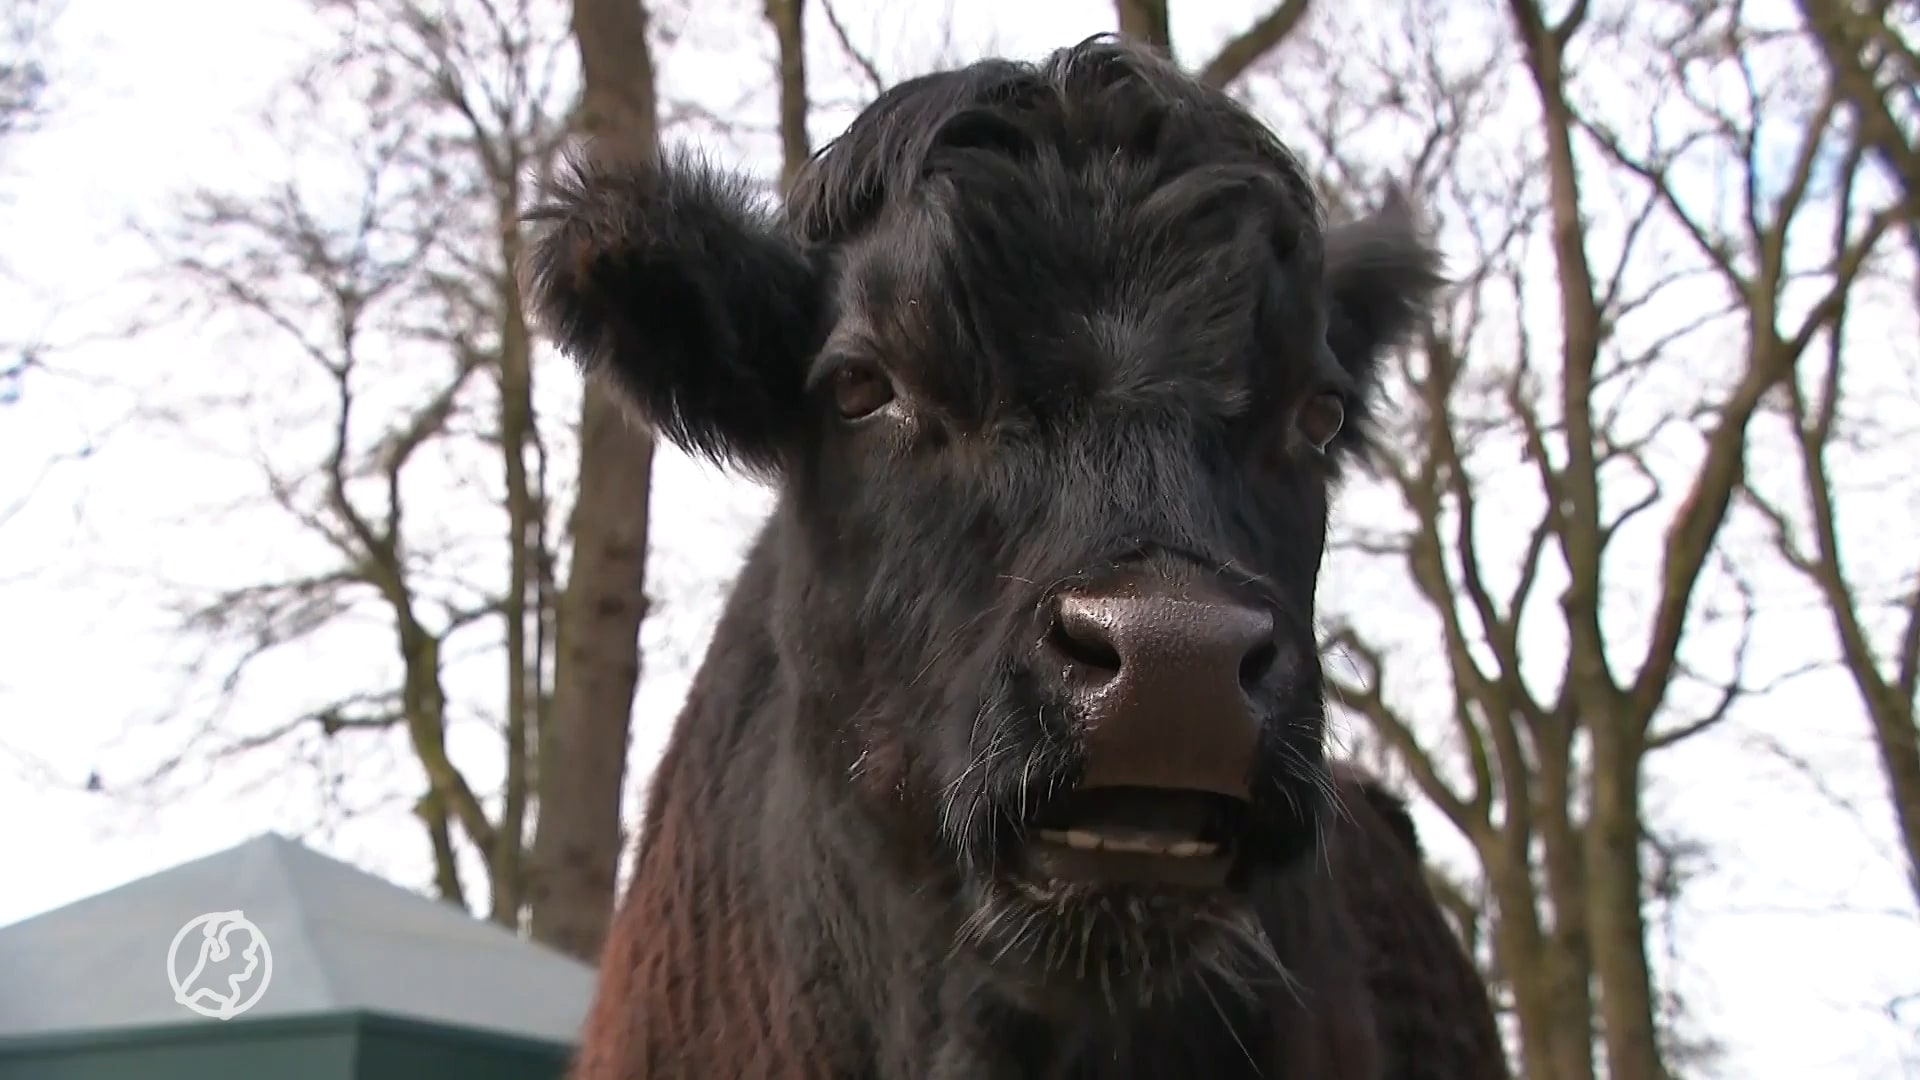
(1159, 682)
(1258, 663)
(1079, 634)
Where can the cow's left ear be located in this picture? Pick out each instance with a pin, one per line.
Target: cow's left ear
(673, 279)
(1382, 275)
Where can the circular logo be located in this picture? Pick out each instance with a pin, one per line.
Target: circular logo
(219, 964)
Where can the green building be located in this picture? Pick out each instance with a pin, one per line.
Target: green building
(359, 979)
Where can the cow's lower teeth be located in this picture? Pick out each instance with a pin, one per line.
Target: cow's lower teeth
(1085, 840)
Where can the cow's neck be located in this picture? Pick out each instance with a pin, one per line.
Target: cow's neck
(1208, 1032)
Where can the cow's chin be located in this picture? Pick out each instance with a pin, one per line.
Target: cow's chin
(1115, 898)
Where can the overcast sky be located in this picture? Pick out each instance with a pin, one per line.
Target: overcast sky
(1792, 944)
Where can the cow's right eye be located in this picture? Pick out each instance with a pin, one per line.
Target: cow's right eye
(860, 391)
(1321, 418)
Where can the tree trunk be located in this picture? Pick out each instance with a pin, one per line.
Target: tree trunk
(1896, 736)
(1614, 928)
(1146, 21)
(1566, 956)
(1520, 954)
(788, 19)
(577, 839)
(525, 540)
(1614, 890)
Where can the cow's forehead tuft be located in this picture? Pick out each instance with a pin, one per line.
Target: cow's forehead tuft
(1097, 103)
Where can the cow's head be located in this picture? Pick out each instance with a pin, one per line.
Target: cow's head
(1054, 367)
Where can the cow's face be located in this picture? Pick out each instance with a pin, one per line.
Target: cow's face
(1055, 368)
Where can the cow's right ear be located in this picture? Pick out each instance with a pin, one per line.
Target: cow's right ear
(668, 276)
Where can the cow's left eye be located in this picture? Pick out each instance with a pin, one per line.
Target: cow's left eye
(1321, 419)
(860, 391)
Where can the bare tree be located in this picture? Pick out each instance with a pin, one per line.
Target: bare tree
(1804, 239)
(389, 291)
(376, 283)
(1873, 71)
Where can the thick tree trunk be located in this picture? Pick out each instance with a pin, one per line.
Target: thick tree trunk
(1566, 961)
(1605, 856)
(1519, 952)
(1614, 891)
(577, 838)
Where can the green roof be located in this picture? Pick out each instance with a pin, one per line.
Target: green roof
(343, 943)
(341, 1046)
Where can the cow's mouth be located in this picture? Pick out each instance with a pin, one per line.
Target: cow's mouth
(1138, 836)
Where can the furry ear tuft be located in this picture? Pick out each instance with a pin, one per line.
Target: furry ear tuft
(1382, 277)
(669, 277)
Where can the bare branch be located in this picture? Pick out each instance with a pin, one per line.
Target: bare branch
(875, 81)
(1365, 697)
(1246, 48)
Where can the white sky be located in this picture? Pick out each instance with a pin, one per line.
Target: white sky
(1791, 945)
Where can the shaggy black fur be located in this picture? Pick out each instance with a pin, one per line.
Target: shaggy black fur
(1094, 298)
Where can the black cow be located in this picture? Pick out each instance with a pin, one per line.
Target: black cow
(1008, 756)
